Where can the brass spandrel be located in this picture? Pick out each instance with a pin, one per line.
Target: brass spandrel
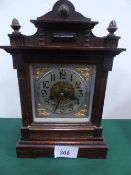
(83, 111)
(41, 112)
(39, 71)
(84, 71)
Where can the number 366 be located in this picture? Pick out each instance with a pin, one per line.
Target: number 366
(64, 152)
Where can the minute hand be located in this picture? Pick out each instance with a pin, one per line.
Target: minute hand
(57, 104)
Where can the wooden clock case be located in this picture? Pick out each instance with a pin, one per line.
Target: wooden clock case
(63, 36)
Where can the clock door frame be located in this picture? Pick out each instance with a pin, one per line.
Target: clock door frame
(100, 81)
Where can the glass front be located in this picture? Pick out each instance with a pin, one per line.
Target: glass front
(62, 93)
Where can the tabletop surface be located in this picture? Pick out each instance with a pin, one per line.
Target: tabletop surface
(117, 134)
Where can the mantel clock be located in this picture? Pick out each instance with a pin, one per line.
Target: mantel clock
(62, 74)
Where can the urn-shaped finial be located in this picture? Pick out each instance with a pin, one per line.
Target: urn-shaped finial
(15, 25)
(112, 27)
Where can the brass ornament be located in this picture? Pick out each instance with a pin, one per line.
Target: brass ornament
(84, 71)
(41, 112)
(39, 71)
(82, 112)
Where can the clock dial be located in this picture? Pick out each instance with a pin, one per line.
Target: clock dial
(62, 91)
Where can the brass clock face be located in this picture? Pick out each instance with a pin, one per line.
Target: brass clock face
(62, 93)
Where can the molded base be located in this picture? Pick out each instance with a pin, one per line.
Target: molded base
(91, 148)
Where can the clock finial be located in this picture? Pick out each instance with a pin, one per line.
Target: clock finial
(15, 25)
(112, 27)
(64, 11)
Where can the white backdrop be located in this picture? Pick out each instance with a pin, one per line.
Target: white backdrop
(118, 95)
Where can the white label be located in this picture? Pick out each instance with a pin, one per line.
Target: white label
(66, 151)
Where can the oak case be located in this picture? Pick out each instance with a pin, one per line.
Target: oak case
(63, 37)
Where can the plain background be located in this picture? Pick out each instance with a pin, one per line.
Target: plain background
(118, 94)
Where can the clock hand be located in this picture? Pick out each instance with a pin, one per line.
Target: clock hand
(72, 97)
(51, 97)
(57, 104)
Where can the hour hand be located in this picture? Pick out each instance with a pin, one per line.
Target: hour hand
(73, 98)
(51, 98)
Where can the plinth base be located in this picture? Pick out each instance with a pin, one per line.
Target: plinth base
(94, 148)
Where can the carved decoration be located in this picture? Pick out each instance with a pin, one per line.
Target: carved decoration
(41, 38)
(63, 11)
(87, 38)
